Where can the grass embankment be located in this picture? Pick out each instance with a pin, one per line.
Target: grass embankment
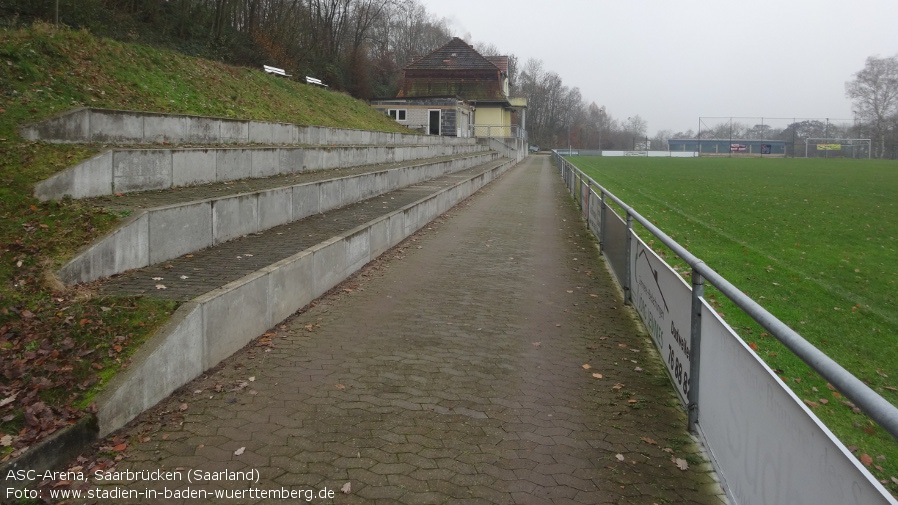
(58, 345)
(813, 241)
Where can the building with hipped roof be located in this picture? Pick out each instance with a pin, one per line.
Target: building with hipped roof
(456, 91)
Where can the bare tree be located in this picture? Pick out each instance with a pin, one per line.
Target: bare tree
(874, 94)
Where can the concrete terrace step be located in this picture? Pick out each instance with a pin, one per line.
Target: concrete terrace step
(133, 127)
(196, 218)
(128, 170)
(187, 277)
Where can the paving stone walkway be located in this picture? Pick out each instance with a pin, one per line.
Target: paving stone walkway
(487, 359)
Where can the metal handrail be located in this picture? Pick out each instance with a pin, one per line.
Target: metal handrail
(865, 398)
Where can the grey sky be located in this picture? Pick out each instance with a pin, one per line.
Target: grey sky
(672, 61)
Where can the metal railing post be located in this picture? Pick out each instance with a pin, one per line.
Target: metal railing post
(602, 206)
(695, 349)
(588, 198)
(627, 298)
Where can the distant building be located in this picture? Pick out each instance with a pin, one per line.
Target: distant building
(741, 147)
(455, 91)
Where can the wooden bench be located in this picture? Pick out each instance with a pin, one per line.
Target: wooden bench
(276, 71)
(317, 82)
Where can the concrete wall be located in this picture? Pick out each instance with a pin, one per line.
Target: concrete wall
(214, 326)
(512, 147)
(163, 233)
(130, 127)
(128, 170)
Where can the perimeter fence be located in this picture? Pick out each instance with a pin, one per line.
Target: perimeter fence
(765, 443)
(778, 137)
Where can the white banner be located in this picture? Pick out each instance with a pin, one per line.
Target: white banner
(769, 447)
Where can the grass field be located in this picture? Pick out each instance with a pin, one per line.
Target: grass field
(813, 241)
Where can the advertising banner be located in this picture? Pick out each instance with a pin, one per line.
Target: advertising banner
(664, 303)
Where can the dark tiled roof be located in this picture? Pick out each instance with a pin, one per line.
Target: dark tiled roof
(456, 54)
(500, 61)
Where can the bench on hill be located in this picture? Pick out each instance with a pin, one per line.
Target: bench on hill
(276, 71)
(317, 82)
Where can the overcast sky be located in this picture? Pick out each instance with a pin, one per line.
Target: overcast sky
(672, 61)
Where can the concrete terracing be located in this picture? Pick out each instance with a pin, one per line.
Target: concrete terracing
(118, 171)
(134, 127)
(205, 218)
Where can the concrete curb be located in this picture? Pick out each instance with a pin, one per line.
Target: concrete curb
(129, 170)
(214, 326)
(53, 451)
(159, 234)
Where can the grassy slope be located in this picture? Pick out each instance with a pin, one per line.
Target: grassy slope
(815, 242)
(57, 346)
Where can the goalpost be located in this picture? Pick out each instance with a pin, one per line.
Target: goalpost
(837, 148)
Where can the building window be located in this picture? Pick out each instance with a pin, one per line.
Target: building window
(397, 114)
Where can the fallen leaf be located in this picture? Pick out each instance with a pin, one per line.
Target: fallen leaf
(341, 387)
(570, 291)
(239, 451)
(182, 407)
(8, 399)
(681, 463)
(632, 400)
(812, 404)
(597, 375)
(617, 386)
(347, 488)
(6, 440)
(252, 379)
(638, 369)
(308, 327)
(648, 441)
(754, 346)
(622, 346)
(160, 286)
(120, 447)
(620, 457)
(667, 450)
(184, 277)
(586, 366)
(866, 459)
